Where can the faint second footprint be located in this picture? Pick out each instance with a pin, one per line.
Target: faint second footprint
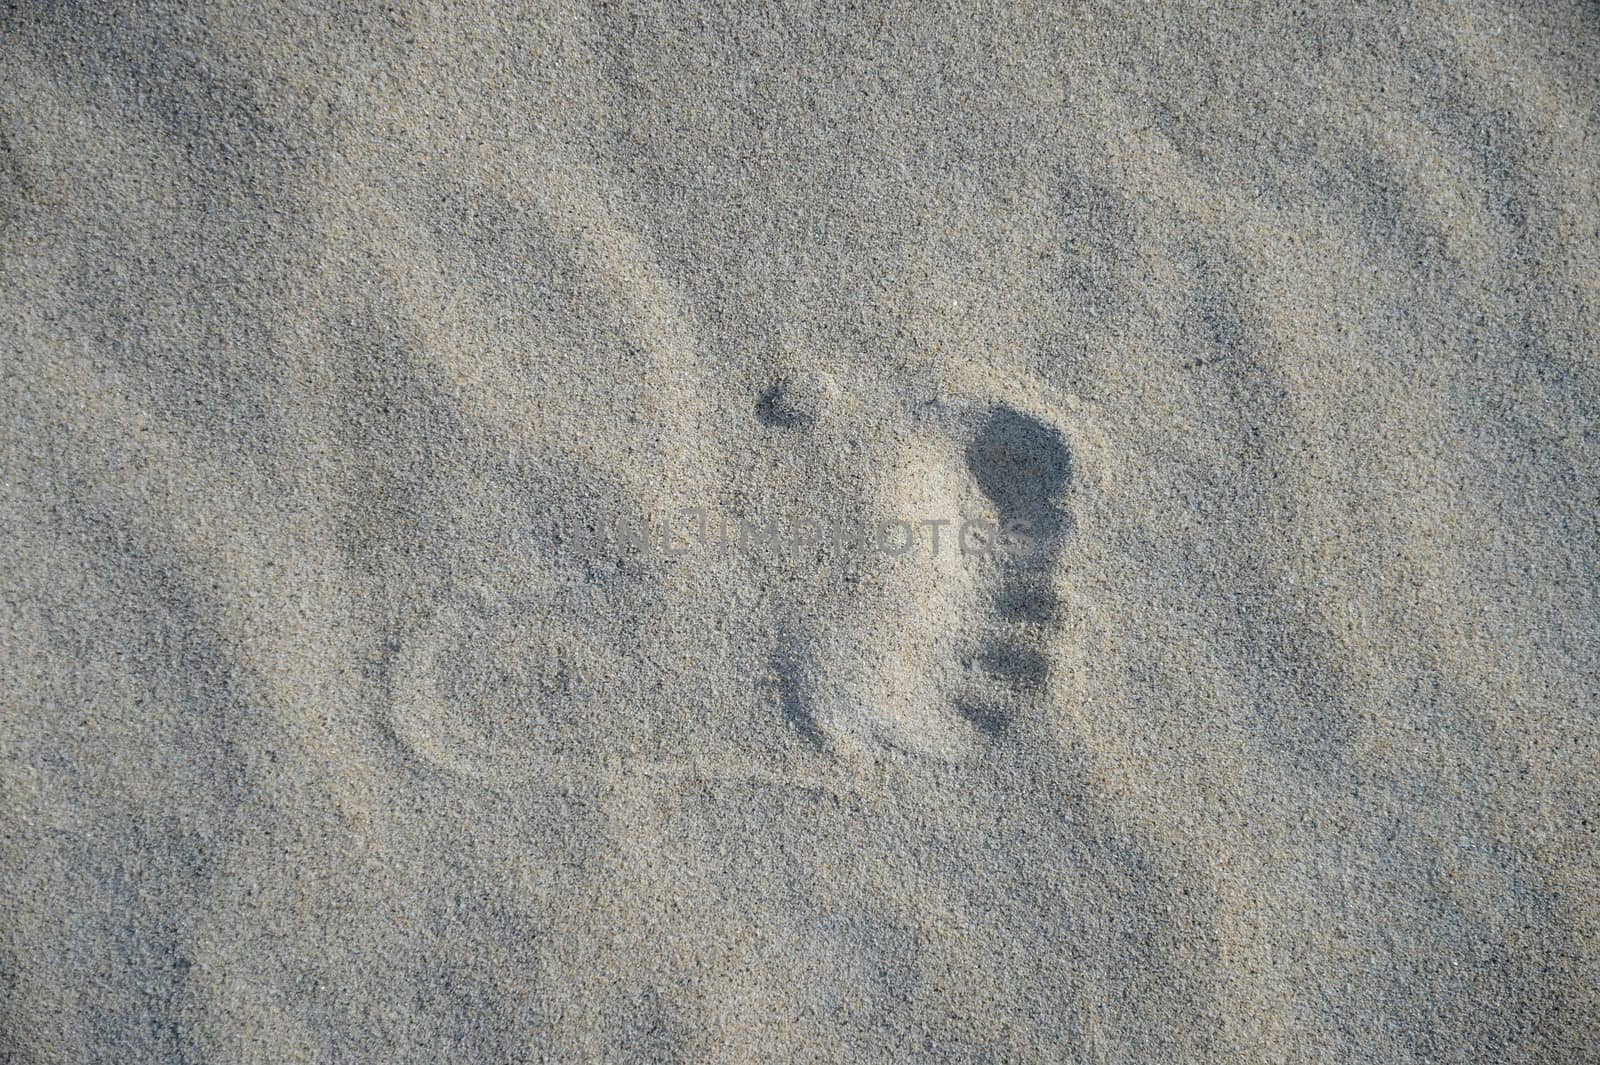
(488, 691)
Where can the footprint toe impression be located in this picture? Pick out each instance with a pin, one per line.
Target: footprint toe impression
(1023, 466)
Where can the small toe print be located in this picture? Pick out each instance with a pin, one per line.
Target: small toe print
(803, 398)
(991, 721)
(1029, 603)
(1015, 665)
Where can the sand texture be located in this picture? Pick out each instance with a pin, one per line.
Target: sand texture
(456, 606)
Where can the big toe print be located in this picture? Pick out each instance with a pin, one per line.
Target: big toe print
(1023, 467)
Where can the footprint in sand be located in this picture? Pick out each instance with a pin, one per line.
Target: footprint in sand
(939, 650)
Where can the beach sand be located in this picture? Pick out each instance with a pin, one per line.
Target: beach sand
(382, 383)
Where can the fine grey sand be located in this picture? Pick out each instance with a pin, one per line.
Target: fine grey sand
(379, 381)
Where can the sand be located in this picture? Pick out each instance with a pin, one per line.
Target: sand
(469, 485)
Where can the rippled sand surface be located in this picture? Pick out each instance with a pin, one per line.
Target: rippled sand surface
(381, 383)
